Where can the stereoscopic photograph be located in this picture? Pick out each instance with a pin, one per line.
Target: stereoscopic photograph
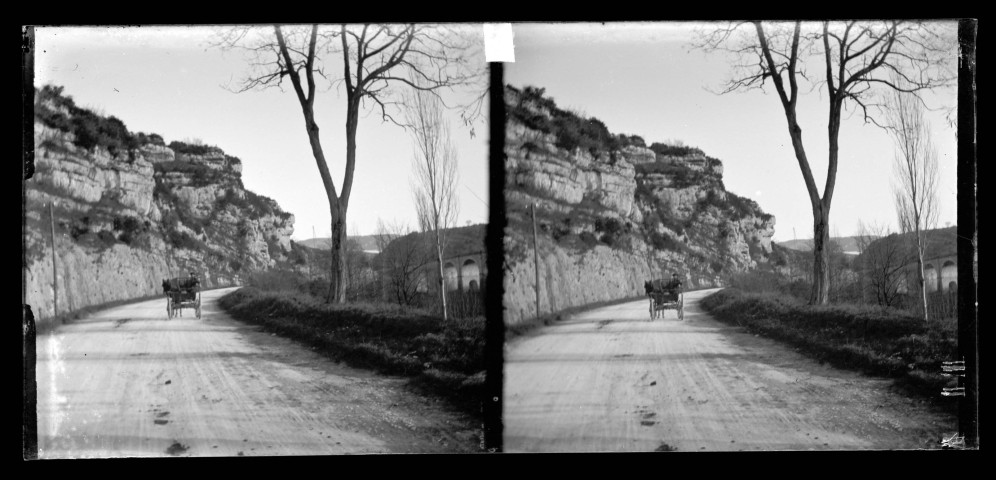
(732, 236)
(257, 240)
(302, 240)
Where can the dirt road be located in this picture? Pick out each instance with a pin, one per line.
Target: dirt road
(612, 380)
(128, 382)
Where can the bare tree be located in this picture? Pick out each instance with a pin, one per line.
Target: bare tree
(837, 267)
(374, 60)
(857, 57)
(401, 261)
(866, 234)
(357, 269)
(435, 167)
(916, 177)
(882, 263)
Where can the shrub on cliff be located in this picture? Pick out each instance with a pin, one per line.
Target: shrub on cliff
(88, 128)
(667, 149)
(183, 240)
(573, 130)
(193, 148)
(663, 241)
(130, 228)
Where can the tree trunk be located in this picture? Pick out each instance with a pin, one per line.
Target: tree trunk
(919, 273)
(442, 280)
(337, 272)
(338, 208)
(821, 258)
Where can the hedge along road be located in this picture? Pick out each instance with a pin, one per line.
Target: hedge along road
(128, 382)
(612, 380)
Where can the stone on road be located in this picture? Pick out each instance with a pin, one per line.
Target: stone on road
(612, 380)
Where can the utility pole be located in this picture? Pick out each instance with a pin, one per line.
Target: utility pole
(55, 283)
(536, 258)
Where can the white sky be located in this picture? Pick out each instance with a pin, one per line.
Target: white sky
(645, 79)
(638, 78)
(167, 80)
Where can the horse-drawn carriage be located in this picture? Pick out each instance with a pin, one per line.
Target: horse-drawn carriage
(665, 296)
(182, 293)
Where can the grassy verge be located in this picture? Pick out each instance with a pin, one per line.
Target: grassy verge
(442, 358)
(872, 340)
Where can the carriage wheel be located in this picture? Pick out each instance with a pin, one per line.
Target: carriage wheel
(681, 309)
(198, 310)
(169, 307)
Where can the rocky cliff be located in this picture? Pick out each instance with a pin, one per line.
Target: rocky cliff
(129, 211)
(612, 212)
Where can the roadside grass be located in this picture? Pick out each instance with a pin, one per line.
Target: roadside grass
(870, 339)
(442, 358)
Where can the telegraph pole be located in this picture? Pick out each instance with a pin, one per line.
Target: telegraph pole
(536, 258)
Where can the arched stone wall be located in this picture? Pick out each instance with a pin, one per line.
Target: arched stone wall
(451, 277)
(458, 272)
(469, 272)
(949, 274)
(930, 277)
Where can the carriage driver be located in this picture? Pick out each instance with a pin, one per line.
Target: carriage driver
(674, 284)
(192, 280)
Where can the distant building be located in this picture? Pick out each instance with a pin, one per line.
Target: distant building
(940, 267)
(465, 272)
(464, 261)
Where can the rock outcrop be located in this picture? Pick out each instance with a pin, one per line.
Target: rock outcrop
(612, 212)
(129, 211)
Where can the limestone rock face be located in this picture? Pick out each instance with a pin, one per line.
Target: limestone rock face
(609, 219)
(92, 177)
(639, 155)
(571, 178)
(125, 221)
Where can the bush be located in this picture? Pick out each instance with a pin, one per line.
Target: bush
(674, 150)
(152, 138)
(89, 129)
(183, 240)
(106, 238)
(588, 239)
(571, 131)
(192, 149)
(79, 227)
(663, 241)
(130, 228)
(609, 225)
